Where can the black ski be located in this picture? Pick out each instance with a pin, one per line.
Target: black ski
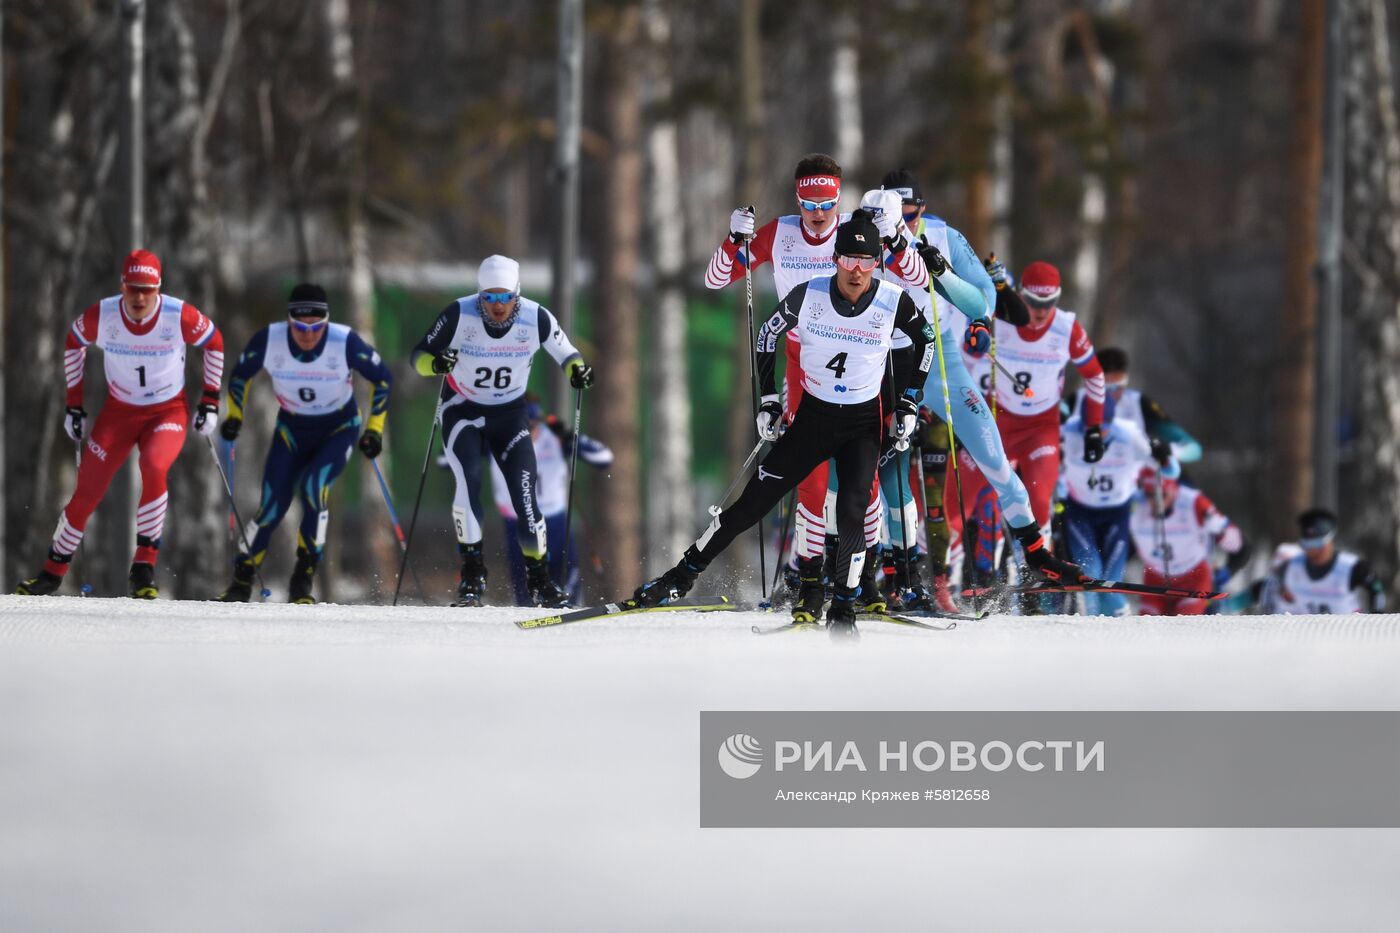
(629, 607)
(1095, 586)
(895, 618)
(786, 627)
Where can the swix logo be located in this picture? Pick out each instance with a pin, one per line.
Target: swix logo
(97, 452)
(1049, 450)
(169, 426)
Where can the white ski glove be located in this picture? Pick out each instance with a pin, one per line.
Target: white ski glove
(888, 210)
(741, 223)
(206, 418)
(770, 418)
(75, 424)
(905, 422)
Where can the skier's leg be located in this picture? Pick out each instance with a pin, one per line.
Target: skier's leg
(109, 442)
(280, 471)
(1151, 605)
(516, 560)
(508, 435)
(1197, 578)
(464, 445)
(980, 437)
(1082, 527)
(1114, 537)
(162, 438)
(325, 464)
(855, 472)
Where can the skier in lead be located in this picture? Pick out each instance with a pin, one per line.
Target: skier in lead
(142, 334)
(484, 345)
(312, 363)
(844, 324)
(800, 247)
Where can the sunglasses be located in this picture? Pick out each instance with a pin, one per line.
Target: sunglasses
(309, 327)
(817, 205)
(863, 263)
(497, 298)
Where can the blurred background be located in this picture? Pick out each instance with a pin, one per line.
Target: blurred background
(1218, 182)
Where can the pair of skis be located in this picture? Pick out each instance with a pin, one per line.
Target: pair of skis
(939, 623)
(629, 607)
(1094, 586)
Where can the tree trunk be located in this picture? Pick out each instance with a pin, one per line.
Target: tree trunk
(1294, 367)
(670, 495)
(618, 320)
(1372, 202)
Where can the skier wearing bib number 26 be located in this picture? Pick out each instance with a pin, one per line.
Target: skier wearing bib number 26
(484, 345)
(312, 363)
(142, 335)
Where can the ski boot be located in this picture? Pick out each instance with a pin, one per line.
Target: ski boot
(299, 590)
(241, 589)
(45, 584)
(891, 580)
(471, 590)
(789, 591)
(868, 598)
(941, 596)
(673, 584)
(142, 582)
(1039, 558)
(908, 591)
(811, 595)
(841, 617)
(544, 592)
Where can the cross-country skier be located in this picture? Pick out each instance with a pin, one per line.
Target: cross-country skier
(142, 334)
(1135, 406)
(1099, 500)
(844, 324)
(485, 344)
(800, 247)
(554, 443)
(312, 363)
(1323, 579)
(1174, 541)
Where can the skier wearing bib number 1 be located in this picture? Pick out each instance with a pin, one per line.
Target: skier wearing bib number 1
(312, 363)
(484, 345)
(142, 335)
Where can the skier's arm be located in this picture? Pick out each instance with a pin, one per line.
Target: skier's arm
(80, 337)
(727, 264)
(555, 341)
(199, 331)
(970, 269)
(1227, 534)
(250, 363)
(1160, 425)
(905, 262)
(1081, 354)
(784, 319)
(1011, 307)
(436, 340)
(963, 295)
(364, 360)
(1363, 578)
(590, 450)
(912, 322)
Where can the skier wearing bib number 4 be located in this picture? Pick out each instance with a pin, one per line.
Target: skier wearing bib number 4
(484, 345)
(142, 335)
(312, 363)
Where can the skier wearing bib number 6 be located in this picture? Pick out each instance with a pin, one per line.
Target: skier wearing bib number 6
(484, 346)
(312, 363)
(142, 334)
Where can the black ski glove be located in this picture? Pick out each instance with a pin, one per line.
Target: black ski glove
(1161, 451)
(371, 444)
(937, 265)
(445, 362)
(1093, 444)
(230, 428)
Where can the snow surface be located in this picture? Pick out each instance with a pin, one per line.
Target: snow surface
(196, 766)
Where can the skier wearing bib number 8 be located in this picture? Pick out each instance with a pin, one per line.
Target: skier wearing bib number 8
(484, 346)
(312, 363)
(142, 334)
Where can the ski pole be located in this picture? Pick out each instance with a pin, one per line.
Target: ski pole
(573, 471)
(86, 588)
(1159, 502)
(900, 480)
(398, 529)
(748, 462)
(233, 506)
(948, 419)
(790, 516)
(753, 386)
(422, 480)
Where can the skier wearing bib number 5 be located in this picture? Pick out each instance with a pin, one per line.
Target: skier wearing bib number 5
(142, 335)
(484, 345)
(312, 363)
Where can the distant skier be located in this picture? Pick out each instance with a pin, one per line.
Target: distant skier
(485, 345)
(1099, 501)
(312, 363)
(143, 335)
(554, 444)
(1174, 541)
(1135, 406)
(1323, 579)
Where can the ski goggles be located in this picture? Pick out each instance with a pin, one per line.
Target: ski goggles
(498, 298)
(863, 263)
(807, 205)
(1316, 543)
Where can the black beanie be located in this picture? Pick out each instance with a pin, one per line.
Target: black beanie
(903, 180)
(1317, 523)
(858, 236)
(308, 299)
